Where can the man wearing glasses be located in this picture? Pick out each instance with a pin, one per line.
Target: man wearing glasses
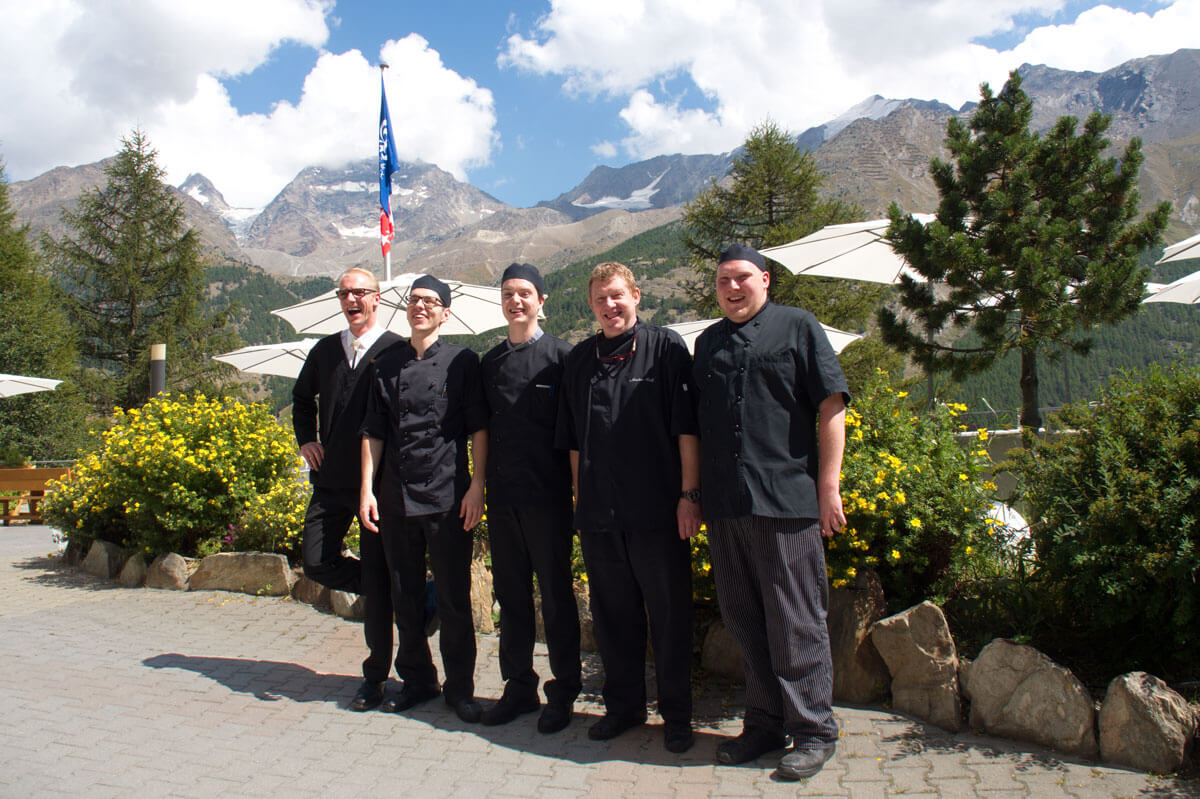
(627, 417)
(418, 494)
(329, 400)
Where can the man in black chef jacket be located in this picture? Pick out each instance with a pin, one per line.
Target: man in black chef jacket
(771, 396)
(329, 400)
(529, 507)
(417, 494)
(627, 416)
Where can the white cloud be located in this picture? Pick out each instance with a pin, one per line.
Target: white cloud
(78, 79)
(803, 62)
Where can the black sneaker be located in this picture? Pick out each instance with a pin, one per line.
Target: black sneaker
(411, 695)
(800, 764)
(610, 726)
(508, 708)
(555, 717)
(753, 743)
(678, 736)
(368, 696)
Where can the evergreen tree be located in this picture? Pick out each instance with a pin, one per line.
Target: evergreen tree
(770, 197)
(1034, 244)
(132, 275)
(35, 340)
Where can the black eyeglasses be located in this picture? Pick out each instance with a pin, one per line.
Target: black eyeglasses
(428, 302)
(615, 357)
(358, 293)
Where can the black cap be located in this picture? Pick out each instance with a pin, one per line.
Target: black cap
(742, 252)
(433, 284)
(525, 272)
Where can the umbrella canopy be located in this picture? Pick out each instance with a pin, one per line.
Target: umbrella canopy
(283, 359)
(12, 385)
(1185, 290)
(690, 331)
(1181, 251)
(473, 309)
(853, 251)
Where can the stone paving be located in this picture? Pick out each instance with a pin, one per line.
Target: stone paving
(106, 691)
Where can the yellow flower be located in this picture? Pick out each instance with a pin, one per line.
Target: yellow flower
(916, 523)
(895, 554)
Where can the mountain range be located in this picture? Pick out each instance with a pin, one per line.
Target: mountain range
(876, 153)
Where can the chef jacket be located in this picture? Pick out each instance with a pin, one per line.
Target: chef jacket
(522, 383)
(623, 410)
(760, 385)
(423, 409)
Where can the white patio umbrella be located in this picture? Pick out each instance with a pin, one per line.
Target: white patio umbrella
(1185, 290)
(853, 251)
(283, 359)
(1181, 251)
(12, 385)
(690, 331)
(473, 309)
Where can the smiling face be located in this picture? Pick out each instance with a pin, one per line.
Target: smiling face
(425, 311)
(741, 290)
(520, 301)
(614, 303)
(358, 310)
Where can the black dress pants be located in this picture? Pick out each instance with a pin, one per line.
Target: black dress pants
(633, 575)
(330, 512)
(394, 584)
(526, 541)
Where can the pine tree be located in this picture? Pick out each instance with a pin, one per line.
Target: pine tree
(1034, 244)
(771, 197)
(36, 341)
(132, 274)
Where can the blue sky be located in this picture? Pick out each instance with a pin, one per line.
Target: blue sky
(521, 97)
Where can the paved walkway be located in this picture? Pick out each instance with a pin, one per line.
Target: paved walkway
(106, 691)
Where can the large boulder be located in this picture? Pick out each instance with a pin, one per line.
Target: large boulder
(720, 654)
(259, 573)
(1144, 724)
(859, 673)
(169, 571)
(310, 592)
(133, 573)
(1017, 692)
(104, 559)
(587, 631)
(920, 655)
(347, 605)
(481, 592)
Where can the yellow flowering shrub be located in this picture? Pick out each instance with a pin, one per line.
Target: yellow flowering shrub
(916, 499)
(183, 474)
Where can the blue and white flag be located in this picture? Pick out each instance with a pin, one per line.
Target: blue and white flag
(388, 163)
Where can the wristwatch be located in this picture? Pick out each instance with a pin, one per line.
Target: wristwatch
(691, 495)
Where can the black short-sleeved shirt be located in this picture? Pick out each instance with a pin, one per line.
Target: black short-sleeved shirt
(624, 414)
(522, 384)
(760, 385)
(423, 409)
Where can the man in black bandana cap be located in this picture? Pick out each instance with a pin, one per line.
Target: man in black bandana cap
(529, 507)
(426, 401)
(771, 395)
(628, 418)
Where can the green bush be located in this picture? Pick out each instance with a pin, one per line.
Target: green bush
(191, 475)
(916, 493)
(1115, 518)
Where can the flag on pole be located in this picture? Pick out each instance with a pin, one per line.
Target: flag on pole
(388, 163)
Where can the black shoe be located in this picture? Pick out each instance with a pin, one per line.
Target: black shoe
(411, 695)
(753, 743)
(508, 708)
(369, 695)
(468, 709)
(678, 737)
(800, 764)
(555, 717)
(610, 726)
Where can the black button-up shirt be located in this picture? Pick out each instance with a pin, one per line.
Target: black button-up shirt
(522, 384)
(760, 385)
(423, 409)
(624, 411)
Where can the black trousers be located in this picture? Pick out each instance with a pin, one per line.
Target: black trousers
(774, 597)
(330, 512)
(527, 541)
(394, 586)
(633, 575)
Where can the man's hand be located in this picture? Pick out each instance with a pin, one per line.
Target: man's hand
(471, 510)
(368, 511)
(833, 518)
(313, 453)
(687, 515)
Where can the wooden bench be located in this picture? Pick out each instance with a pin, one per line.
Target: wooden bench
(29, 485)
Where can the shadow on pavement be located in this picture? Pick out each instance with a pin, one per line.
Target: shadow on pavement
(266, 680)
